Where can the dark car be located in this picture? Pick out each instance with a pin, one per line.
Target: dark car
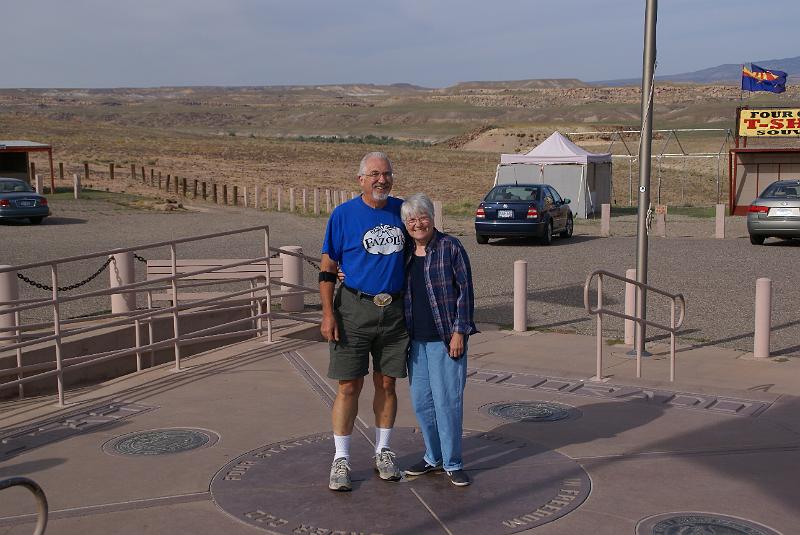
(775, 213)
(523, 210)
(19, 201)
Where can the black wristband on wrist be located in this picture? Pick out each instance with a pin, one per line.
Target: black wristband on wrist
(327, 276)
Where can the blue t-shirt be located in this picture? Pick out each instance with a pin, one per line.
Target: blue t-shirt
(368, 244)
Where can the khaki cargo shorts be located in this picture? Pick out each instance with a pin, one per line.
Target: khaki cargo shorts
(367, 329)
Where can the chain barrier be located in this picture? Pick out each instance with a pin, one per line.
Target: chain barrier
(71, 286)
(94, 275)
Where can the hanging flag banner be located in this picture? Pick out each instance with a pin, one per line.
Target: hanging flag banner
(768, 122)
(760, 79)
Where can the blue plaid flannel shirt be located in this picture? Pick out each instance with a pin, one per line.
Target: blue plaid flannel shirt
(448, 278)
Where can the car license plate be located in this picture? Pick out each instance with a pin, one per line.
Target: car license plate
(25, 204)
(783, 212)
(505, 213)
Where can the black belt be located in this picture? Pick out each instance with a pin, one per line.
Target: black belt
(378, 299)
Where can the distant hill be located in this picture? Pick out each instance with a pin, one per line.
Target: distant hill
(729, 73)
(519, 84)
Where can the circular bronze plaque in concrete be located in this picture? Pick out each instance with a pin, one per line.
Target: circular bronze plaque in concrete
(531, 411)
(516, 485)
(692, 522)
(161, 441)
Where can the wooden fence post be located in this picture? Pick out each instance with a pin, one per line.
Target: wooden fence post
(268, 198)
(194, 189)
(85, 172)
(204, 191)
(169, 178)
(111, 172)
(61, 170)
(316, 201)
(159, 180)
(224, 194)
(183, 186)
(214, 193)
(257, 198)
(305, 205)
(279, 198)
(133, 172)
(291, 200)
(235, 195)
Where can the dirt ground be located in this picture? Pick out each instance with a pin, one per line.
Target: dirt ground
(446, 142)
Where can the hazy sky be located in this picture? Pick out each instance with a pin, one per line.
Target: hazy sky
(435, 43)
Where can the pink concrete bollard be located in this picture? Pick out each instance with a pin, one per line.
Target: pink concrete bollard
(121, 272)
(719, 227)
(630, 307)
(763, 318)
(292, 273)
(605, 220)
(520, 295)
(438, 216)
(9, 291)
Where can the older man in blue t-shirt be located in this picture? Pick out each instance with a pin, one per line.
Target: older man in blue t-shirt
(365, 237)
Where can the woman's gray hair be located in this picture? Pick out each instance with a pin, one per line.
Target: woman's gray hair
(362, 167)
(417, 205)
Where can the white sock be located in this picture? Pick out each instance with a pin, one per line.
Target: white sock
(342, 443)
(382, 438)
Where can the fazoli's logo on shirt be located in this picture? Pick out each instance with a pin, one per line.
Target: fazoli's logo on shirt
(769, 122)
(383, 239)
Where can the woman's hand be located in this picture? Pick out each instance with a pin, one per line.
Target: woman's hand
(456, 345)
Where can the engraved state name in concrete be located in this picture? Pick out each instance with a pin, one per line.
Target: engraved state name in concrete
(63, 427)
(579, 387)
(517, 485)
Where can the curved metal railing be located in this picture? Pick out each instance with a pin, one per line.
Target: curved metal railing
(675, 300)
(38, 493)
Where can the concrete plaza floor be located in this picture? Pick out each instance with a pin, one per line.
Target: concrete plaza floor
(724, 439)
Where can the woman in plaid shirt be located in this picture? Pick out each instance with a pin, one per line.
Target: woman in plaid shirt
(439, 307)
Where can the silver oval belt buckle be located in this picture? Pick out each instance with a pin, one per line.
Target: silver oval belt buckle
(382, 299)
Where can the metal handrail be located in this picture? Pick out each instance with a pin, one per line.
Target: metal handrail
(259, 297)
(672, 328)
(38, 493)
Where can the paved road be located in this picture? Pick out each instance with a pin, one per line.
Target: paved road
(716, 276)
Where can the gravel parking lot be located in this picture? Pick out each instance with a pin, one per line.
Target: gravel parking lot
(717, 277)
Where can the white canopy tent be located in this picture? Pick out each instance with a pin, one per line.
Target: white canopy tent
(582, 176)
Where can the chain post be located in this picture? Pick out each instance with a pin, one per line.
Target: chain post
(57, 333)
(175, 328)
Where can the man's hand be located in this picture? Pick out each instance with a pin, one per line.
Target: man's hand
(329, 328)
(456, 345)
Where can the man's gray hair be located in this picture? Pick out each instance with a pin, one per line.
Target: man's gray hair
(416, 205)
(362, 168)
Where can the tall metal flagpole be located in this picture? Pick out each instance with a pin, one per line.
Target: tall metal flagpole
(648, 68)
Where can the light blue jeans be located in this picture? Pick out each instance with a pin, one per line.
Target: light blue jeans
(437, 394)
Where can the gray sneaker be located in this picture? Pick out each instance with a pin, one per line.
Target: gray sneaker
(340, 475)
(386, 467)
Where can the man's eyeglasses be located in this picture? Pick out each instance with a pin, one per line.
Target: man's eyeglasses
(388, 175)
(424, 220)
